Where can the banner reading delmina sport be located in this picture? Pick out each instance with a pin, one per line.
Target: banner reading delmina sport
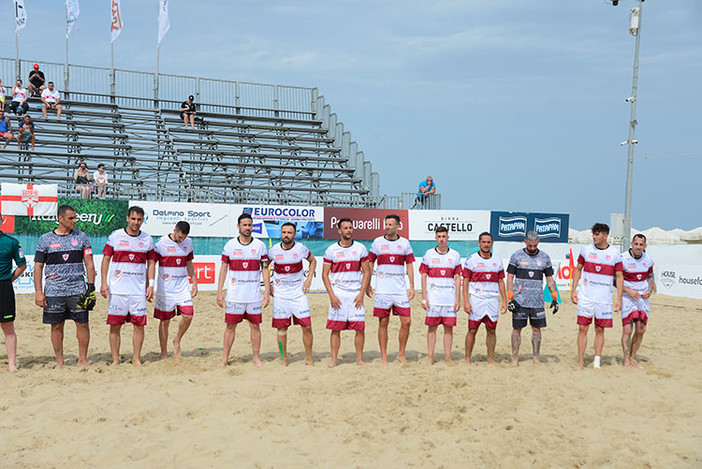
(206, 220)
(513, 226)
(268, 219)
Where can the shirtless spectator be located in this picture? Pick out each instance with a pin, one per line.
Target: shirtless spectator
(37, 81)
(188, 111)
(19, 99)
(51, 99)
(6, 129)
(26, 131)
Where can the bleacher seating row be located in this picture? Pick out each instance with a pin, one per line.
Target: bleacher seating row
(227, 157)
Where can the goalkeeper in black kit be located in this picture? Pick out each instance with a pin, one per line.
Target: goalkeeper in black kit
(63, 263)
(525, 275)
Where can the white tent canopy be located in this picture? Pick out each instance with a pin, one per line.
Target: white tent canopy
(654, 235)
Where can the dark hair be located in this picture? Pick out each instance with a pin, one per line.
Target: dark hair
(441, 229)
(639, 235)
(288, 223)
(345, 219)
(100, 166)
(50, 83)
(65, 208)
(82, 163)
(600, 228)
(484, 233)
(135, 209)
(244, 216)
(183, 227)
(394, 217)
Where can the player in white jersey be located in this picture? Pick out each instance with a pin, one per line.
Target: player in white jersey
(128, 261)
(174, 292)
(639, 284)
(441, 291)
(289, 287)
(483, 285)
(391, 290)
(600, 266)
(244, 258)
(346, 275)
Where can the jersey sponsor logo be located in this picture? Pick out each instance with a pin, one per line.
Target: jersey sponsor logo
(117, 273)
(592, 256)
(141, 244)
(480, 266)
(295, 256)
(74, 242)
(523, 262)
(340, 255)
(166, 277)
(381, 274)
(55, 245)
(538, 262)
(170, 249)
(279, 258)
(384, 248)
(436, 261)
(237, 252)
(124, 244)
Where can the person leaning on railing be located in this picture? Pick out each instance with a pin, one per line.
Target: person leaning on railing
(425, 194)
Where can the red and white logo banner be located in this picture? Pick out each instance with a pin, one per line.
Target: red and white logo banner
(29, 199)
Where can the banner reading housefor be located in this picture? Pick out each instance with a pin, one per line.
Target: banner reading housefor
(368, 223)
(513, 226)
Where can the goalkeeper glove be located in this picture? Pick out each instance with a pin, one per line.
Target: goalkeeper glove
(554, 306)
(87, 299)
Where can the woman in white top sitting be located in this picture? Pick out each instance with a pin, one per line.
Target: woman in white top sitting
(19, 99)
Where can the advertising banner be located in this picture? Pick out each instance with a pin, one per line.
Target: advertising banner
(513, 226)
(206, 220)
(267, 220)
(463, 225)
(95, 217)
(679, 280)
(368, 223)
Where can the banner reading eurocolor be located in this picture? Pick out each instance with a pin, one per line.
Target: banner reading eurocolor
(94, 217)
(268, 219)
(513, 226)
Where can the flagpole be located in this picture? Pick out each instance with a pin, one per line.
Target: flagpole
(112, 72)
(158, 56)
(17, 60)
(65, 70)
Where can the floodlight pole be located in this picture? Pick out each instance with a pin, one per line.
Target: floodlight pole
(635, 29)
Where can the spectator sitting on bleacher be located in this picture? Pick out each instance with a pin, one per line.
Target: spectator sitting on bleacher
(100, 178)
(188, 111)
(5, 129)
(2, 96)
(37, 81)
(50, 99)
(26, 130)
(427, 188)
(19, 99)
(82, 178)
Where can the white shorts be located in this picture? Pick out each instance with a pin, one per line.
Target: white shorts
(634, 309)
(234, 313)
(602, 312)
(347, 316)
(283, 308)
(398, 303)
(166, 307)
(481, 307)
(127, 307)
(437, 315)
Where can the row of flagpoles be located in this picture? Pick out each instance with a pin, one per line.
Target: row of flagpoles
(116, 26)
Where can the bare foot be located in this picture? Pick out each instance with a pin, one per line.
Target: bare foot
(136, 363)
(537, 361)
(164, 356)
(332, 364)
(176, 349)
(284, 361)
(402, 359)
(449, 362)
(491, 361)
(579, 367)
(636, 364)
(627, 364)
(222, 364)
(59, 363)
(431, 360)
(83, 363)
(12, 367)
(467, 360)
(384, 361)
(361, 363)
(515, 362)
(114, 363)
(309, 362)
(257, 361)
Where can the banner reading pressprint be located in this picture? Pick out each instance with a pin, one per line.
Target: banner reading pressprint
(513, 226)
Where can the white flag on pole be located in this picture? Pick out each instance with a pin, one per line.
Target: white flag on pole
(116, 27)
(29, 199)
(164, 23)
(20, 15)
(72, 13)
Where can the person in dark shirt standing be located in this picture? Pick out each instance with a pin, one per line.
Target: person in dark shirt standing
(10, 250)
(63, 256)
(188, 111)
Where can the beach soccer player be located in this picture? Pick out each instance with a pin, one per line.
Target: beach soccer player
(441, 291)
(64, 260)
(346, 275)
(244, 259)
(289, 288)
(10, 251)
(525, 280)
(128, 261)
(483, 286)
(176, 285)
(392, 293)
(600, 267)
(639, 284)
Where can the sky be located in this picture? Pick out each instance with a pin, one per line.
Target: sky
(510, 105)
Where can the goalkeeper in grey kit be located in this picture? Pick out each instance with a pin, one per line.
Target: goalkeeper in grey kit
(63, 263)
(525, 273)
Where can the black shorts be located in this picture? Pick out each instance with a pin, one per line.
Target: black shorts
(7, 301)
(536, 316)
(60, 308)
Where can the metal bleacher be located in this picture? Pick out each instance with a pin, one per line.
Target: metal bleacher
(257, 151)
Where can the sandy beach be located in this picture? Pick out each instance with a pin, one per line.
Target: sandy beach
(188, 413)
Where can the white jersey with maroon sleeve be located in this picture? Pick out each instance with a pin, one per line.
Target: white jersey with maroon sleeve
(484, 275)
(599, 267)
(129, 253)
(441, 270)
(346, 274)
(391, 257)
(173, 257)
(288, 272)
(636, 271)
(244, 261)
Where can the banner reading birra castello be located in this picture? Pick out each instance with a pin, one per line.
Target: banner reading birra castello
(94, 217)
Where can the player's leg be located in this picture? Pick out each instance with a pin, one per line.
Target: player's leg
(448, 344)
(470, 341)
(639, 331)
(57, 341)
(582, 344)
(383, 338)
(256, 343)
(83, 336)
(229, 335)
(490, 342)
(626, 343)
(334, 345)
(137, 343)
(431, 342)
(536, 343)
(359, 341)
(516, 343)
(8, 329)
(599, 345)
(307, 340)
(163, 336)
(115, 341)
(283, 341)
(405, 322)
(183, 326)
